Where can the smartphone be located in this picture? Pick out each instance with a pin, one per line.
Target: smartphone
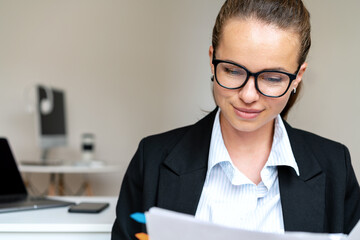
(88, 207)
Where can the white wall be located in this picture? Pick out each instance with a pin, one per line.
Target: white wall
(122, 64)
(330, 103)
(134, 68)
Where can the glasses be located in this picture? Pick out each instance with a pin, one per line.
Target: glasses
(270, 83)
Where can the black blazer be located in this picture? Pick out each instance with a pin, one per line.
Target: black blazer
(168, 170)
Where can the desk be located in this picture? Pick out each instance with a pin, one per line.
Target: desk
(57, 185)
(58, 223)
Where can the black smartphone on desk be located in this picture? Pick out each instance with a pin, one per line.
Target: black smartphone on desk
(88, 207)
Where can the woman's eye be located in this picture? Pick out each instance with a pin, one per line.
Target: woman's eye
(233, 71)
(273, 79)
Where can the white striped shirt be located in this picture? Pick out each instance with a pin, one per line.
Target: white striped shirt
(230, 198)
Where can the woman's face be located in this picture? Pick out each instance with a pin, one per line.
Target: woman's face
(257, 46)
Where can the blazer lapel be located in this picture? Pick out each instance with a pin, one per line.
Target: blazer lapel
(302, 197)
(183, 172)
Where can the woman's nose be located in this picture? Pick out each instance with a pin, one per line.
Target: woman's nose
(249, 93)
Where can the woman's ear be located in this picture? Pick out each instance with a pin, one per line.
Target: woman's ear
(300, 74)
(211, 52)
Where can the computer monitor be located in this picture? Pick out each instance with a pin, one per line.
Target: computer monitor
(51, 119)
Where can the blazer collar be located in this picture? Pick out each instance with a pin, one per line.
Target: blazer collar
(302, 197)
(194, 148)
(192, 152)
(305, 158)
(183, 172)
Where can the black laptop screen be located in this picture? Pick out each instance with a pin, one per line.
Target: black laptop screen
(11, 182)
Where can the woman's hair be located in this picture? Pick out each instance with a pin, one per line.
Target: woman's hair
(285, 14)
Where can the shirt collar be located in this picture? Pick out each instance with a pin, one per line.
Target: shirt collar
(281, 153)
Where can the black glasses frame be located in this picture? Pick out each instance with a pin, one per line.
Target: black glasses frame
(291, 76)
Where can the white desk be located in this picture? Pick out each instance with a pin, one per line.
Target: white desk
(57, 186)
(58, 223)
(68, 169)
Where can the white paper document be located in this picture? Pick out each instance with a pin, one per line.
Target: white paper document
(168, 225)
(355, 233)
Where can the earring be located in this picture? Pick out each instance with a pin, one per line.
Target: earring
(294, 91)
(212, 78)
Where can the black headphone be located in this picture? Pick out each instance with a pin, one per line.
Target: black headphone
(47, 103)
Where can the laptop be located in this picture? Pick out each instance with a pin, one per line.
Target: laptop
(13, 193)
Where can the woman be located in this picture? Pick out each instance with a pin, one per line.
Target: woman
(243, 165)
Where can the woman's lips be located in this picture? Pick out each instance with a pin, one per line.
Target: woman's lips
(247, 113)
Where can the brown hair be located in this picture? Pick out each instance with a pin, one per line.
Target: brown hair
(285, 14)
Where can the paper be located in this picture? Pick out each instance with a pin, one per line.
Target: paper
(355, 233)
(165, 225)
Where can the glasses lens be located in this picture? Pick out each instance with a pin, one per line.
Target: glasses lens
(273, 83)
(230, 75)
